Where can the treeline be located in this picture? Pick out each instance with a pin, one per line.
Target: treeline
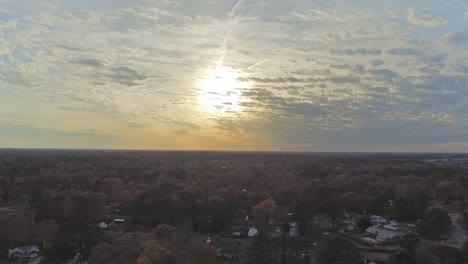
(206, 190)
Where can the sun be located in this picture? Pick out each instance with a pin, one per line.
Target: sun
(221, 90)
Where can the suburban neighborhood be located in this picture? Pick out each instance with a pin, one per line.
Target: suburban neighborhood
(245, 208)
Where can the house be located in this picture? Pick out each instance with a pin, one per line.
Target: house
(230, 253)
(374, 257)
(240, 227)
(382, 234)
(390, 232)
(27, 252)
(347, 225)
(401, 227)
(377, 220)
(293, 229)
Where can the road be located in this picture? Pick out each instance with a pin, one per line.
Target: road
(458, 233)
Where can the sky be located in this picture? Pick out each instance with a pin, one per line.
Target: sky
(267, 75)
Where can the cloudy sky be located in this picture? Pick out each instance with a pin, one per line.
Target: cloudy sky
(297, 75)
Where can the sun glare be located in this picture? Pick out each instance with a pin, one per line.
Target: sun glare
(221, 91)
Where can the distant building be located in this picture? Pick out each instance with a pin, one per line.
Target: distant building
(230, 253)
(382, 234)
(240, 227)
(293, 230)
(348, 226)
(270, 217)
(401, 227)
(377, 220)
(28, 252)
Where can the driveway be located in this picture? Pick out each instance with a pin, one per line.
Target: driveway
(457, 230)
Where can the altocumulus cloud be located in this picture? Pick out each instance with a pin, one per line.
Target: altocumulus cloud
(323, 78)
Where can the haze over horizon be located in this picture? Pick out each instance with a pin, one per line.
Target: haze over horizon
(266, 75)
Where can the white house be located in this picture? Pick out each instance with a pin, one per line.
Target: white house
(28, 252)
(382, 234)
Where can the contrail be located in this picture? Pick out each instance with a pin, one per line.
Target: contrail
(236, 19)
(235, 8)
(256, 64)
(225, 41)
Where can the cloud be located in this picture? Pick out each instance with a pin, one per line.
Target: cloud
(457, 40)
(425, 20)
(317, 14)
(403, 51)
(183, 132)
(38, 137)
(272, 80)
(384, 74)
(73, 109)
(326, 72)
(126, 75)
(89, 62)
(136, 125)
(70, 47)
(180, 123)
(4, 49)
(305, 109)
(391, 14)
(359, 51)
(377, 63)
(8, 26)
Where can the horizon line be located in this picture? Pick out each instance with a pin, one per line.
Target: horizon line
(233, 151)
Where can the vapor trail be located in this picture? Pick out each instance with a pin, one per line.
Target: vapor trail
(235, 20)
(256, 64)
(225, 42)
(235, 8)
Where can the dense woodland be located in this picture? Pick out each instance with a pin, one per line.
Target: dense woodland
(172, 199)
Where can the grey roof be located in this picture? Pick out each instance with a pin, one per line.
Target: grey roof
(27, 249)
(231, 251)
(382, 233)
(404, 227)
